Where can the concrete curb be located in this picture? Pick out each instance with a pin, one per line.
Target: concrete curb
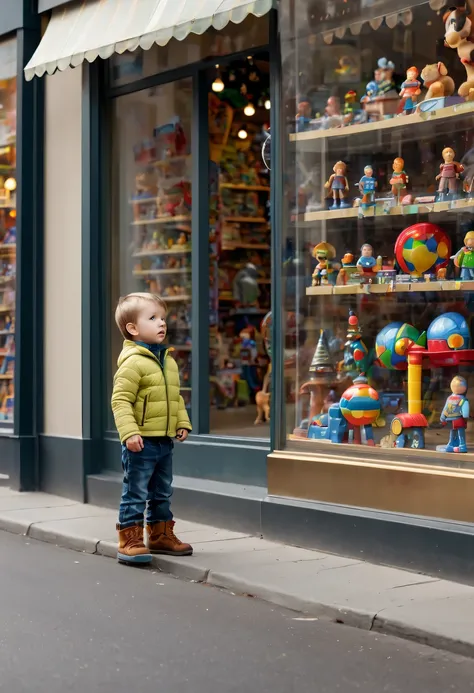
(189, 569)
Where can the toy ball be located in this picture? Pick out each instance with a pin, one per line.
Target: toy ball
(421, 248)
(392, 344)
(360, 404)
(449, 332)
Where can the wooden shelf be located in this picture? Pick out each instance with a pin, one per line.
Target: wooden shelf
(245, 246)
(237, 186)
(383, 210)
(310, 137)
(176, 299)
(162, 220)
(245, 220)
(7, 246)
(7, 309)
(414, 287)
(6, 376)
(155, 272)
(163, 251)
(5, 280)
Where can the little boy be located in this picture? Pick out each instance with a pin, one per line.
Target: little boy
(149, 412)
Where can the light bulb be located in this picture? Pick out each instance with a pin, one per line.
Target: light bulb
(243, 134)
(218, 85)
(249, 109)
(10, 184)
(268, 104)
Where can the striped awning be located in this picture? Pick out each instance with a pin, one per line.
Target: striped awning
(99, 28)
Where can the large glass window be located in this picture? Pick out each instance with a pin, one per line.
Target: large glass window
(240, 234)
(151, 209)
(7, 229)
(378, 275)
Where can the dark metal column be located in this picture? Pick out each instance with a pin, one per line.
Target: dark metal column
(29, 282)
(200, 256)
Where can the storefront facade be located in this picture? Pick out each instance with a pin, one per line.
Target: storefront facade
(329, 288)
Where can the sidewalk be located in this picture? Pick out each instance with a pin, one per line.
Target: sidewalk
(413, 606)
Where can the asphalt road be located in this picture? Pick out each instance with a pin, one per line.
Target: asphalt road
(80, 623)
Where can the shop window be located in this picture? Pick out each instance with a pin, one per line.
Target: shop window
(128, 67)
(151, 210)
(240, 237)
(378, 267)
(8, 96)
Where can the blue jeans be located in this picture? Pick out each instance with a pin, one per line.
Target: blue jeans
(147, 483)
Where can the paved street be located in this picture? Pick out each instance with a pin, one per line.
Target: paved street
(75, 622)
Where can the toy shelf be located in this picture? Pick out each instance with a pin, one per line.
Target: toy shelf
(9, 247)
(7, 309)
(176, 299)
(6, 280)
(310, 137)
(414, 287)
(4, 333)
(163, 251)
(6, 376)
(249, 188)
(245, 246)
(155, 272)
(245, 220)
(162, 220)
(465, 205)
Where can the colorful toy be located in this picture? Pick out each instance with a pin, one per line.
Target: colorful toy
(348, 268)
(464, 258)
(448, 332)
(459, 34)
(303, 116)
(386, 84)
(367, 186)
(360, 406)
(449, 175)
(322, 377)
(351, 108)
(422, 248)
(338, 185)
(410, 91)
(393, 343)
(323, 253)
(435, 79)
(367, 262)
(245, 286)
(398, 179)
(456, 413)
(356, 354)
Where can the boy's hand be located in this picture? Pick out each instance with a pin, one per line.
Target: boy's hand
(182, 434)
(134, 444)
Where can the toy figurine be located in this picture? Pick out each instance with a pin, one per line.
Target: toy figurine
(386, 84)
(367, 185)
(350, 107)
(409, 92)
(464, 258)
(459, 34)
(367, 262)
(333, 107)
(323, 253)
(245, 286)
(456, 413)
(399, 179)
(338, 185)
(449, 174)
(303, 116)
(435, 79)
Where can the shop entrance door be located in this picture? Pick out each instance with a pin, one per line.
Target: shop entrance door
(240, 248)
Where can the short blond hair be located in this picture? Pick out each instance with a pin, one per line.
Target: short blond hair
(129, 307)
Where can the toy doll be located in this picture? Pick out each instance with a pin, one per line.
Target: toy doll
(386, 84)
(350, 107)
(464, 258)
(456, 413)
(324, 253)
(399, 179)
(409, 92)
(366, 261)
(338, 185)
(367, 185)
(303, 116)
(449, 173)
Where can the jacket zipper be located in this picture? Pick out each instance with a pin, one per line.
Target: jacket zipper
(166, 389)
(144, 409)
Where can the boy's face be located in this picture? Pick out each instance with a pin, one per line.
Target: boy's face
(150, 326)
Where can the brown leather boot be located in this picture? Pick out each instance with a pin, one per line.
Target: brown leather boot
(131, 549)
(162, 539)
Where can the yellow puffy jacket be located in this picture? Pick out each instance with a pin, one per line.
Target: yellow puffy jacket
(146, 398)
